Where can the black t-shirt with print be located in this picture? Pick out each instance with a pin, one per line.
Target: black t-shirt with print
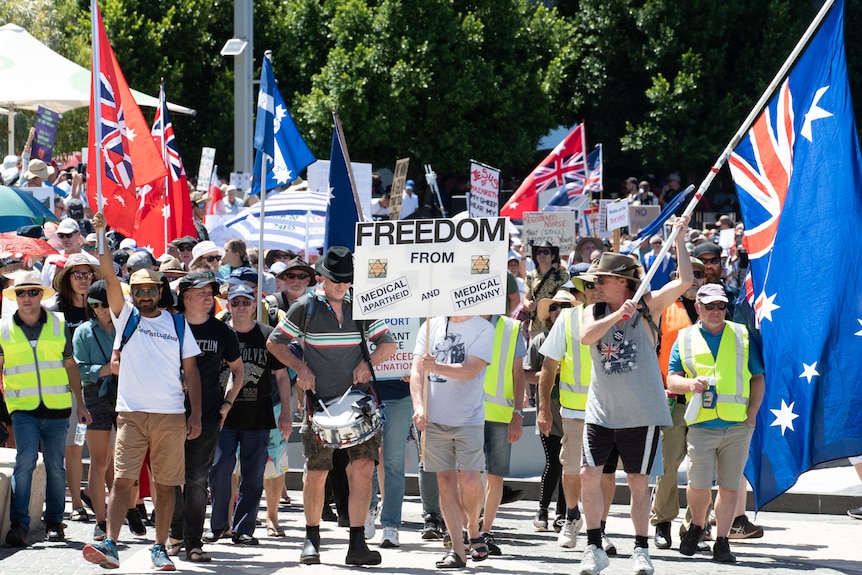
(252, 408)
(217, 342)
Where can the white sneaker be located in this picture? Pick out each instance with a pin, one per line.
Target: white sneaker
(608, 545)
(568, 536)
(593, 561)
(389, 538)
(641, 564)
(369, 523)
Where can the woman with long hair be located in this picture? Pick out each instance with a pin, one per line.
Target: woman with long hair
(71, 283)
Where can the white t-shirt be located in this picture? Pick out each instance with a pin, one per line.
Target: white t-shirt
(453, 401)
(555, 348)
(150, 363)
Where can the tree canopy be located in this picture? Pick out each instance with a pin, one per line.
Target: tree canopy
(663, 84)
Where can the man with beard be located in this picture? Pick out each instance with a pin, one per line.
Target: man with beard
(150, 404)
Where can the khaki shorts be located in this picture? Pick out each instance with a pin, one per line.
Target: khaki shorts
(319, 457)
(571, 444)
(448, 448)
(720, 453)
(164, 434)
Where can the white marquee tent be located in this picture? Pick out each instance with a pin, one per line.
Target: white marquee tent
(31, 74)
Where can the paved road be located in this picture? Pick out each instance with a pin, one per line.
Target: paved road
(793, 543)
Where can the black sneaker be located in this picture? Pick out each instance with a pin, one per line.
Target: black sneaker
(742, 528)
(721, 551)
(54, 532)
(328, 514)
(689, 544)
(244, 539)
(431, 531)
(559, 520)
(663, 539)
(16, 537)
(136, 524)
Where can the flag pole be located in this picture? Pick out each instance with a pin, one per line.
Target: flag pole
(165, 193)
(740, 133)
(337, 119)
(96, 162)
(586, 154)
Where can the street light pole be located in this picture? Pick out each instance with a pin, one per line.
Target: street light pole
(243, 27)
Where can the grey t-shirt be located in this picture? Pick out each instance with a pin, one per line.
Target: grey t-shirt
(454, 401)
(626, 388)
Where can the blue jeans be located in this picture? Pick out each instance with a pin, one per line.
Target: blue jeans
(252, 461)
(29, 431)
(190, 507)
(428, 489)
(399, 415)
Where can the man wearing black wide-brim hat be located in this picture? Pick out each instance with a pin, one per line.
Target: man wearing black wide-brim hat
(333, 363)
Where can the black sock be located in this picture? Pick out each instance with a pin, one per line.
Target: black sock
(642, 541)
(603, 526)
(357, 535)
(312, 533)
(573, 514)
(594, 537)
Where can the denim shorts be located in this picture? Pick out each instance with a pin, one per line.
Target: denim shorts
(102, 409)
(498, 450)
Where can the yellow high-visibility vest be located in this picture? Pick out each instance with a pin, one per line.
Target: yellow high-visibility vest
(499, 383)
(34, 374)
(730, 369)
(575, 369)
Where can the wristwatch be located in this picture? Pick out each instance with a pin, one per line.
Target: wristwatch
(519, 412)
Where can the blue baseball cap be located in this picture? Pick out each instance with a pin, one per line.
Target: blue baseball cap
(242, 275)
(409, 185)
(240, 290)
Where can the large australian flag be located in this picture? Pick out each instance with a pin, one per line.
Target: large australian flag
(798, 173)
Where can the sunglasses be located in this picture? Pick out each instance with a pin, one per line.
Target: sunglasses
(90, 248)
(83, 275)
(185, 248)
(589, 285)
(241, 302)
(292, 276)
(543, 252)
(720, 305)
(65, 236)
(710, 261)
(558, 306)
(97, 305)
(28, 292)
(603, 280)
(211, 259)
(144, 292)
(201, 205)
(698, 275)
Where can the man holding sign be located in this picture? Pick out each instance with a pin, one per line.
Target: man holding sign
(334, 362)
(452, 416)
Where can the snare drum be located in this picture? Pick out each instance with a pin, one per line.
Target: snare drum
(348, 420)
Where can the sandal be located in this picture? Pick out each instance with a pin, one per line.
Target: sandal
(198, 555)
(451, 561)
(79, 514)
(87, 501)
(478, 549)
(174, 546)
(275, 531)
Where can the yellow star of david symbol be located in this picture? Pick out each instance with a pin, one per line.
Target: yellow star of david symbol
(377, 268)
(480, 264)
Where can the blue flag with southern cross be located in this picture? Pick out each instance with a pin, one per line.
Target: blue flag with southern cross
(798, 173)
(276, 135)
(342, 213)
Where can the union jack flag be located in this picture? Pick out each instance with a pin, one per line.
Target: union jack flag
(115, 145)
(610, 351)
(564, 166)
(798, 174)
(163, 135)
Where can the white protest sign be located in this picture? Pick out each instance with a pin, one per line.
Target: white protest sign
(642, 216)
(558, 228)
(242, 180)
(601, 229)
(727, 238)
(403, 330)
(618, 215)
(318, 179)
(426, 268)
(205, 171)
(484, 191)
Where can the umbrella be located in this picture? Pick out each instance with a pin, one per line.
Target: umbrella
(12, 242)
(19, 208)
(294, 220)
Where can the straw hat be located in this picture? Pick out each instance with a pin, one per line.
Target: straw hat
(27, 279)
(543, 311)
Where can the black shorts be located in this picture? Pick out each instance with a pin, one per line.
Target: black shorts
(102, 409)
(637, 447)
